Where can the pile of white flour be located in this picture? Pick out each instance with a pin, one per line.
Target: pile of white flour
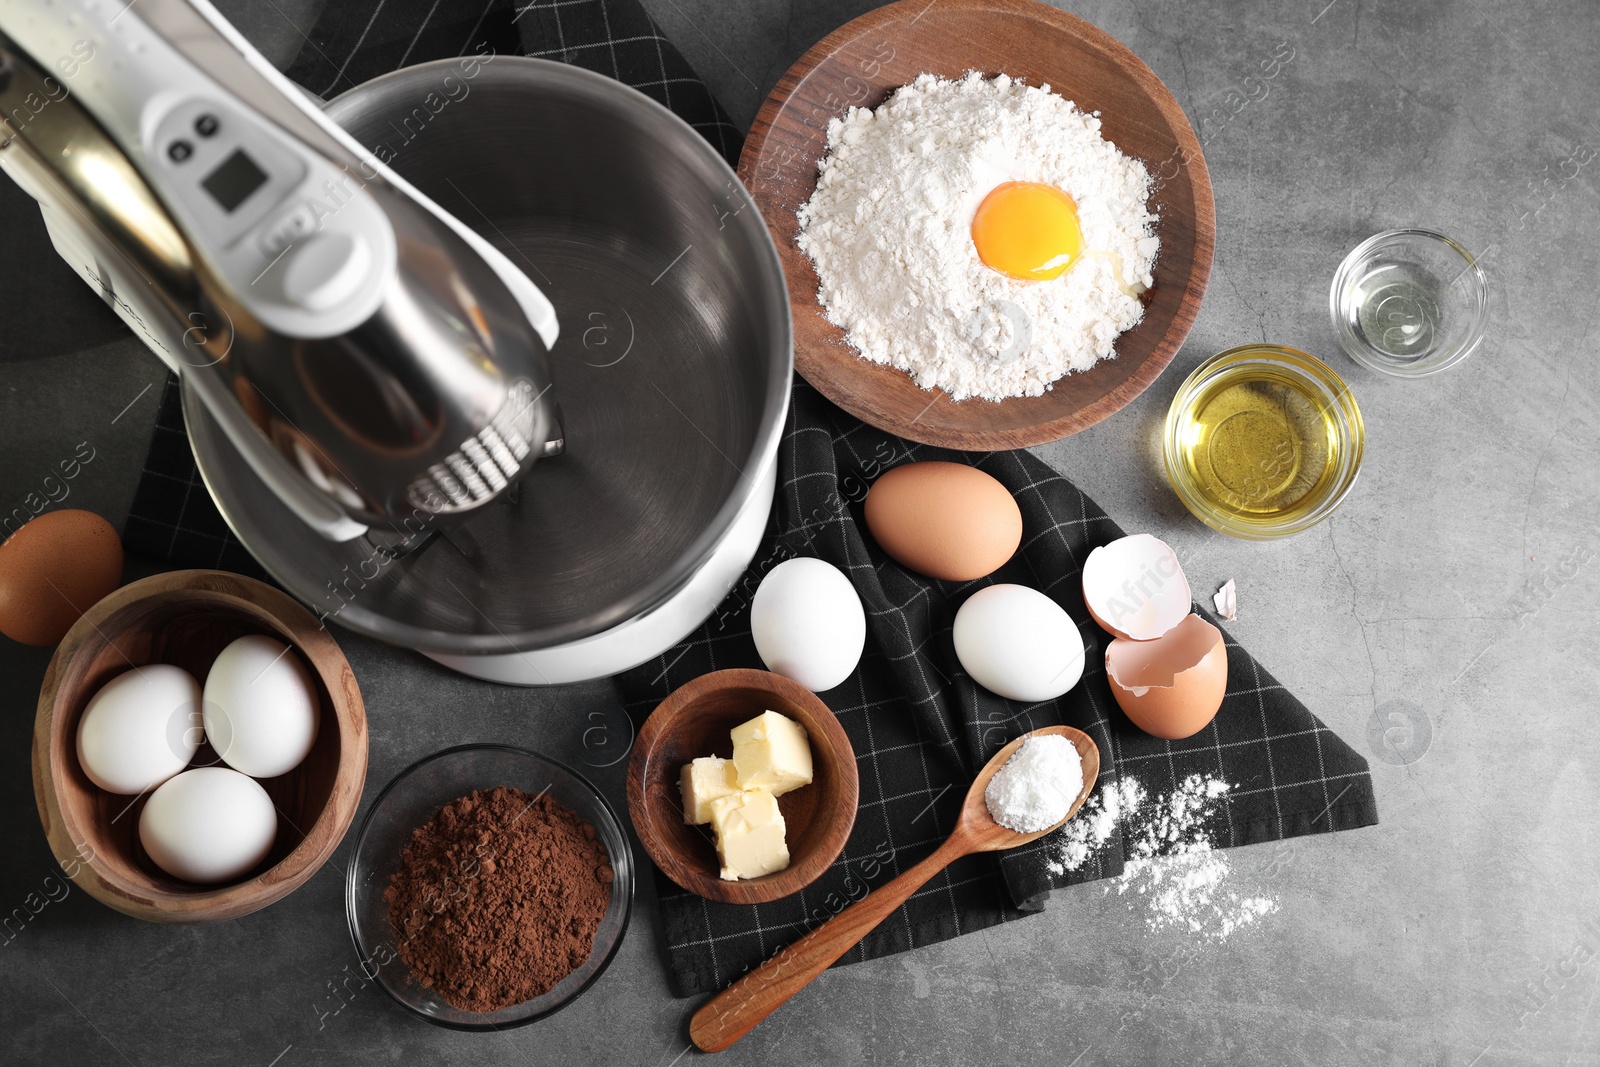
(889, 230)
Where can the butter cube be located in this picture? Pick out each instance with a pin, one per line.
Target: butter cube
(772, 752)
(702, 781)
(750, 834)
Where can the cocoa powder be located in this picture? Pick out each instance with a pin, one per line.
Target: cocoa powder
(498, 897)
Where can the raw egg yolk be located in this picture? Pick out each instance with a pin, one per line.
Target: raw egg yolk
(1027, 230)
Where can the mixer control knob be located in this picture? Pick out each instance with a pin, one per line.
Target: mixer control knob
(326, 270)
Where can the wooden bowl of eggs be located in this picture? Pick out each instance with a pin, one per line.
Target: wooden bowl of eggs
(703, 721)
(200, 747)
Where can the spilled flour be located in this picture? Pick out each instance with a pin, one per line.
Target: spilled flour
(1168, 858)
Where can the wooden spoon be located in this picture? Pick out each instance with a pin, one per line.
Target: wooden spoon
(736, 1010)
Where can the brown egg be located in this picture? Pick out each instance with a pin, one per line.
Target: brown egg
(52, 570)
(946, 520)
(1172, 686)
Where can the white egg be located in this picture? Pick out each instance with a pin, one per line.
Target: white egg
(140, 729)
(808, 623)
(208, 825)
(261, 707)
(1019, 643)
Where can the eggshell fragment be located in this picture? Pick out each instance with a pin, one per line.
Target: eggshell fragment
(1171, 686)
(945, 520)
(1226, 600)
(1135, 588)
(52, 570)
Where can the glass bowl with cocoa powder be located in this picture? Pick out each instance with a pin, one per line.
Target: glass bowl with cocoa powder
(489, 887)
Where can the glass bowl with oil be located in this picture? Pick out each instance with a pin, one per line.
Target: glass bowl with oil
(1409, 303)
(1263, 441)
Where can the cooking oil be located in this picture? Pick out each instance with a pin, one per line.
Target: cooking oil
(1256, 442)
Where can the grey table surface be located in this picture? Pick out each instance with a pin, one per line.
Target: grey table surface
(1442, 621)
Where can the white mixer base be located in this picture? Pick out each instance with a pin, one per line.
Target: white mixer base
(647, 636)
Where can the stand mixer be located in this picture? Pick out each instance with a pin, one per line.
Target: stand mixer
(379, 398)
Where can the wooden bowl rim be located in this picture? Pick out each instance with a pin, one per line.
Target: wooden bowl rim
(142, 901)
(705, 881)
(855, 400)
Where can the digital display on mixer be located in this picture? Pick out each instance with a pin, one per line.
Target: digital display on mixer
(233, 182)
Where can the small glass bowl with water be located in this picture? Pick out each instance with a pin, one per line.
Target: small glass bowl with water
(1409, 303)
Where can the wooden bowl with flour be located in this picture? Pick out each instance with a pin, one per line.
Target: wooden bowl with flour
(860, 65)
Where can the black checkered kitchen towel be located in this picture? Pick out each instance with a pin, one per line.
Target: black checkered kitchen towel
(920, 727)
(173, 517)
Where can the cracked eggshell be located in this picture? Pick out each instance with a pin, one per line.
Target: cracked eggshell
(1135, 588)
(1171, 687)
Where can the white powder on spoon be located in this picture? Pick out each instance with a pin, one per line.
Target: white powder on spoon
(889, 231)
(1037, 786)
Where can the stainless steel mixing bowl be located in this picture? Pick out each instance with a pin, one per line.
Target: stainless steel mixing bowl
(672, 373)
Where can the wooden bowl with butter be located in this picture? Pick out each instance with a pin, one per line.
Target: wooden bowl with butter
(697, 720)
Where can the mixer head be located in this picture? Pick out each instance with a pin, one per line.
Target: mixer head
(432, 407)
(375, 361)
